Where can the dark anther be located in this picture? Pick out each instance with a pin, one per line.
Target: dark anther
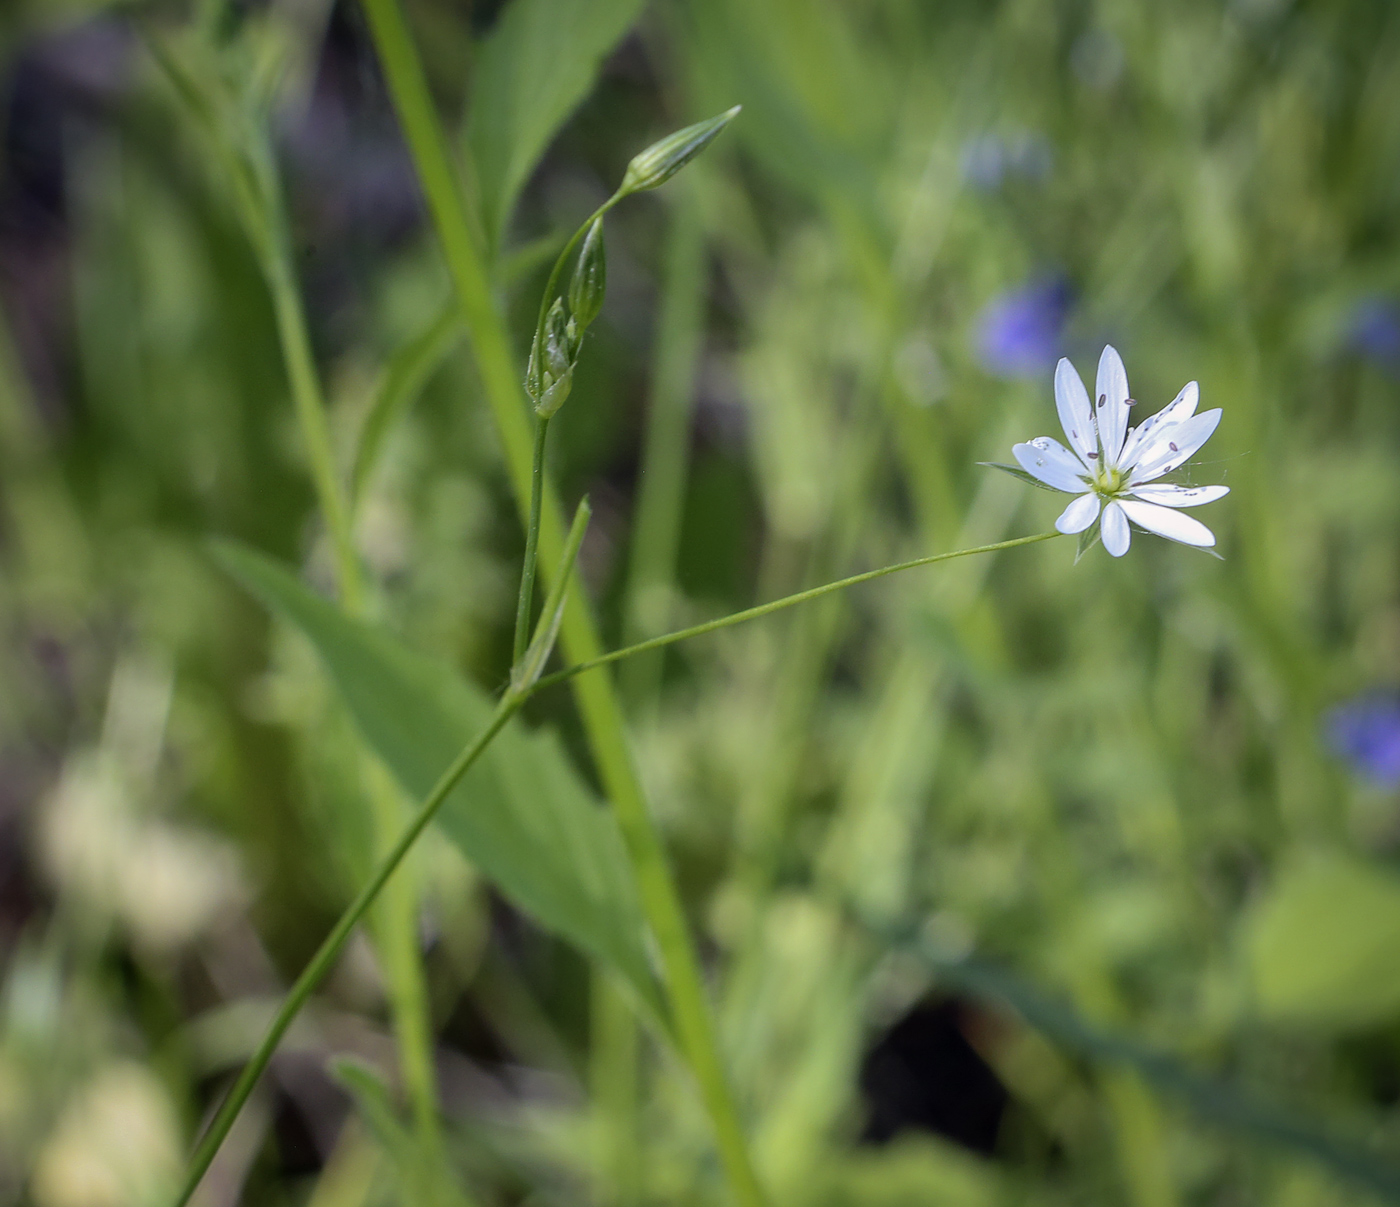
(1103, 398)
(1171, 445)
(1093, 456)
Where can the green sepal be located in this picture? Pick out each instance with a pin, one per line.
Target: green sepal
(551, 371)
(590, 279)
(1017, 472)
(1087, 540)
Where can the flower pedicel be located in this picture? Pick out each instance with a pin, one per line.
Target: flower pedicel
(1114, 468)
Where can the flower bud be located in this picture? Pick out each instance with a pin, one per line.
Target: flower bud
(558, 341)
(590, 279)
(555, 374)
(662, 160)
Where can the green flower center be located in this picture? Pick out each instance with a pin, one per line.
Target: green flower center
(1109, 483)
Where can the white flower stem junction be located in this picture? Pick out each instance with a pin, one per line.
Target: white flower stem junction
(1114, 469)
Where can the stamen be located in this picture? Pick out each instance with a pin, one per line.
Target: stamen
(1103, 398)
(1171, 444)
(1093, 456)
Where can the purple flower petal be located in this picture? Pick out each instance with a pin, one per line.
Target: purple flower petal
(1021, 334)
(1366, 732)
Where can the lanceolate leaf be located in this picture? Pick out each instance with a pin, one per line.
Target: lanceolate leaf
(522, 814)
(534, 68)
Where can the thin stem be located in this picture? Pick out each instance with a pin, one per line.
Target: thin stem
(597, 701)
(311, 417)
(331, 946)
(552, 284)
(614, 1073)
(515, 695)
(509, 704)
(777, 605)
(395, 928)
(532, 543)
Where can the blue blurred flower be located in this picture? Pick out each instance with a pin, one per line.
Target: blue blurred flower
(1020, 334)
(1366, 732)
(989, 159)
(1375, 331)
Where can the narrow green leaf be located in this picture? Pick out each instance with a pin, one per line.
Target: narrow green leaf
(541, 646)
(534, 68)
(404, 377)
(522, 814)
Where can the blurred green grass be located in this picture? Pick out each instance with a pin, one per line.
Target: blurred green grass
(1101, 776)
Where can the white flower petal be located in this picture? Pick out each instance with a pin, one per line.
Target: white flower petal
(1170, 446)
(1168, 523)
(1076, 414)
(1111, 399)
(1078, 515)
(1179, 409)
(1115, 531)
(1180, 496)
(1052, 463)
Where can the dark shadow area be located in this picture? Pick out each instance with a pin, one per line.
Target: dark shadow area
(924, 1074)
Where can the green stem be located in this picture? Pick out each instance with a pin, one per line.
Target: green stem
(396, 928)
(597, 701)
(777, 605)
(396, 931)
(510, 703)
(532, 543)
(552, 284)
(615, 1068)
(315, 431)
(325, 957)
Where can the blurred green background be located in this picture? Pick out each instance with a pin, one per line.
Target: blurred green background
(1139, 816)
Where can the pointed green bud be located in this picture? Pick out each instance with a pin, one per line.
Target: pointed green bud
(590, 280)
(554, 374)
(534, 370)
(558, 349)
(662, 160)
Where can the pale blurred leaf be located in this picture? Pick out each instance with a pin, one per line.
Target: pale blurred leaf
(1321, 946)
(535, 67)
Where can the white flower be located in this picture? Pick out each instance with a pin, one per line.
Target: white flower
(1114, 467)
